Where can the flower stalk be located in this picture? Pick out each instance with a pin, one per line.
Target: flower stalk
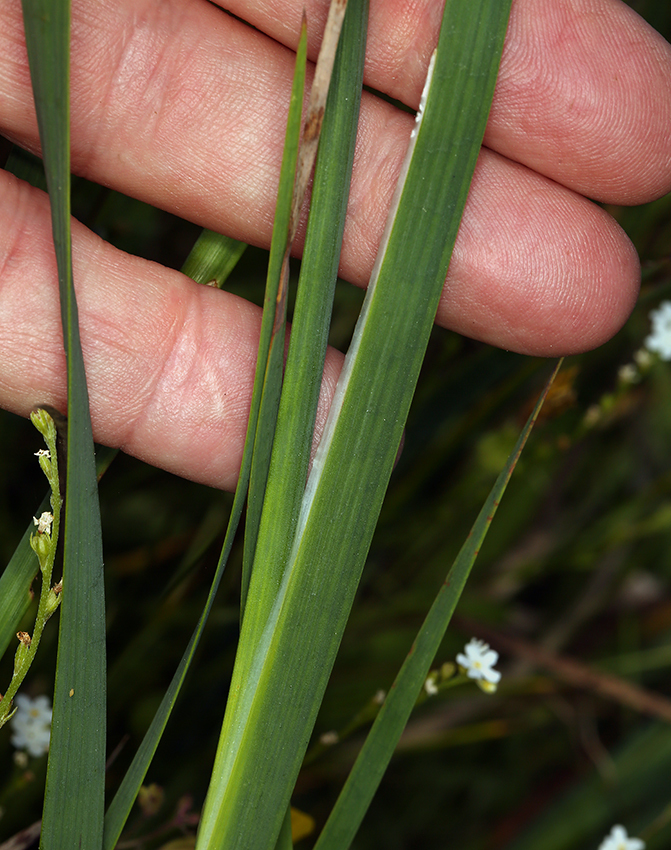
(44, 542)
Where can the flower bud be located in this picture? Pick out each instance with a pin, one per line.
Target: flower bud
(44, 424)
(41, 546)
(447, 670)
(22, 650)
(52, 602)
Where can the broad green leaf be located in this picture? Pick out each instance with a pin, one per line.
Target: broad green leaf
(319, 271)
(76, 768)
(275, 695)
(378, 749)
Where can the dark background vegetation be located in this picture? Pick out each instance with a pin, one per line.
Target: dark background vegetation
(578, 563)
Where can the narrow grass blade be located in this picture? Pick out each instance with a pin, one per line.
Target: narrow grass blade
(212, 258)
(309, 333)
(378, 749)
(76, 768)
(268, 378)
(276, 697)
(121, 805)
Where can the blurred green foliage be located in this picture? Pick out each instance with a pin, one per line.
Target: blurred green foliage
(578, 562)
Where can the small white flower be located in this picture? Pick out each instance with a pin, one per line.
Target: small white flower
(431, 687)
(619, 840)
(329, 739)
(628, 374)
(592, 415)
(31, 724)
(33, 738)
(478, 662)
(43, 453)
(380, 697)
(660, 338)
(20, 759)
(643, 358)
(44, 523)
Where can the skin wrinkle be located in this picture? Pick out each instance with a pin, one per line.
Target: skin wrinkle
(175, 325)
(113, 357)
(409, 26)
(586, 106)
(16, 91)
(178, 383)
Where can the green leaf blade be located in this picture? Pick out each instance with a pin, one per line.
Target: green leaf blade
(76, 768)
(270, 363)
(378, 749)
(213, 258)
(277, 699)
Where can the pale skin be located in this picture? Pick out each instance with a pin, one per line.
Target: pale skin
(182, 106)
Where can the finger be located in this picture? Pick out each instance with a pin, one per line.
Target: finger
(529, 289)
(172, 129)
(583, 94)
(169, 363)
(584, 97)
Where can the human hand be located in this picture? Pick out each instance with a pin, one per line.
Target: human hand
(182, 106)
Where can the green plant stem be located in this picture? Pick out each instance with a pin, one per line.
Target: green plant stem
(45, 546)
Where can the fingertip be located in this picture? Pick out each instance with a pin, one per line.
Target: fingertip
(537, 269)
(584, 97)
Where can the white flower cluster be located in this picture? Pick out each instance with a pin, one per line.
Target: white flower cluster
(44, 523)
(660, 338)
(31, 724)
(618, 839)
(477, 662)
